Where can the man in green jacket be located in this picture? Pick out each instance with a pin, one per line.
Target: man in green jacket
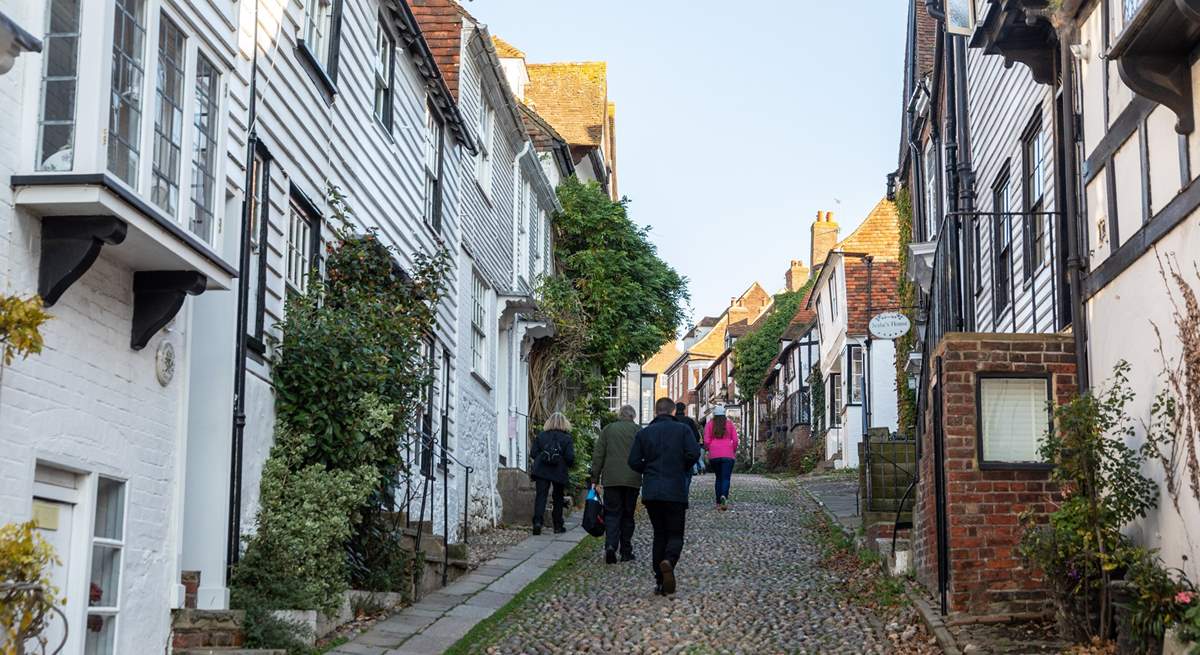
(620, 484)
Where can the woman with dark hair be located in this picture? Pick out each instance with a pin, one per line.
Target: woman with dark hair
(721, 442)
(552, 457)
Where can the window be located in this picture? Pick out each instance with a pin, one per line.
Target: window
(536, 218)
(60, 77)
(322, 21)
(1014, 415)
(932, 209)
(1001, 246)
(259, 213)
(302, 241)
(835, 400)
(833, 295)
(427, 409)
(487, 123)
(384, 64)
(434, 148)
(168, 117)
(478, 325)
(856, 375)
(977, 229)
(104, 590)
(204, 149)
(789, 369)
(612, 395)
(1034, 223)
(128, 69)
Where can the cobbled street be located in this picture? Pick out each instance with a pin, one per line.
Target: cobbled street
(751, 580)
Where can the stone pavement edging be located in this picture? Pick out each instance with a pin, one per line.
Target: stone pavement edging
(933, 621)
(441, 618)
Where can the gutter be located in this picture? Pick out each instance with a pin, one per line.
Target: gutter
(1067, 170)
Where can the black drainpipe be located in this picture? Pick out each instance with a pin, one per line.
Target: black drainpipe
(233, 546)
(1068, 169)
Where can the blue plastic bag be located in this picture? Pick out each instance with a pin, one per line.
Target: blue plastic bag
(593, 514)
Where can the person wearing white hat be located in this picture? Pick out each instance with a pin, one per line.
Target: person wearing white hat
(721, 442)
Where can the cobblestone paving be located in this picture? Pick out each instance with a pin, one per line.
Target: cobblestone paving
(750, 581)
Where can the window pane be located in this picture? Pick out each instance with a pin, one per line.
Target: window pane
(100, 633)
(128, 67)
(106, 576)
(59, 79)
(110, 509)
(1014, 417)
(298, 254)
(168, 118)
(204, 150)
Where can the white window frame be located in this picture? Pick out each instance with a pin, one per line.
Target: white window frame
(856, 363)
(435, 140)
(833, 294)
(479, 322)
(132, 93)
(206, 123)
(318, 32)
(49, 41)
(299, 247)
(931, 193)
(487, 129)
(111, 612)
(166, 165)
(383, 67)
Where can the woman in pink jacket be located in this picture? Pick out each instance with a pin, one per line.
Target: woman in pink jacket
(721, 442)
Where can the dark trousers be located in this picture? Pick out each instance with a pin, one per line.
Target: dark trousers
(539, 502)
(723, 471)
(668, 521)
(619, 505)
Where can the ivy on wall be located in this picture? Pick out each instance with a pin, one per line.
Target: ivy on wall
(906, 398)
(753, 352)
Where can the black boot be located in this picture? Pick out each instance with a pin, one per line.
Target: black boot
(559, 529)
(537, 529)
(610, 556)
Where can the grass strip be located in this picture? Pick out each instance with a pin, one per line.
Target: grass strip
(484, 631)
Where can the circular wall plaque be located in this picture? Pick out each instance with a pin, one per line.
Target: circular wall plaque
(889, 325)
(164, 362)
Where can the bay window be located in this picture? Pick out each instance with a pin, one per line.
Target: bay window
(128, 70)
(60, 83)
(168, 117)
(204, 149)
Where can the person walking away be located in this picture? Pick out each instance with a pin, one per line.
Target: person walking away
(682, 417)
(553, 456)
(663, 452)
(721, 441)
(619, 483)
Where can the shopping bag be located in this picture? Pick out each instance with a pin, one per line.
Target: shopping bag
(593, 514)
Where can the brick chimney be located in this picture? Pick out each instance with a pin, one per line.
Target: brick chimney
(796, 276)
(824, 238)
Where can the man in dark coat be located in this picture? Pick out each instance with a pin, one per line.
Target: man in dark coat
(664, 452)
(552, 455)
(610, 468)
(682, 417)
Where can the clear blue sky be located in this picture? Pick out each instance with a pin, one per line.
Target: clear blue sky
(736, 121)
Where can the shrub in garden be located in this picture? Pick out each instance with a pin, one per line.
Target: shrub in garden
(1080, 547)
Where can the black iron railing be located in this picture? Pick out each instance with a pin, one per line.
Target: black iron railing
(420, 493)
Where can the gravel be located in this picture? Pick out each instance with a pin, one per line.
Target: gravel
(751, 580)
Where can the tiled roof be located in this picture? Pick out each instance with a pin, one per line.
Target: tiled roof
(573, 97)
(708, 321)
(663, 358)
(882, 280)
(442, 23)
(878, 235)
(505, 50)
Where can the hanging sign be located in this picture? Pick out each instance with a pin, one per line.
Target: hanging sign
(889, 325)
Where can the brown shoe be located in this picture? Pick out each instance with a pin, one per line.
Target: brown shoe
(668, 577)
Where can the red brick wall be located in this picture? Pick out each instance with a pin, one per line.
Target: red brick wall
(987, 575)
